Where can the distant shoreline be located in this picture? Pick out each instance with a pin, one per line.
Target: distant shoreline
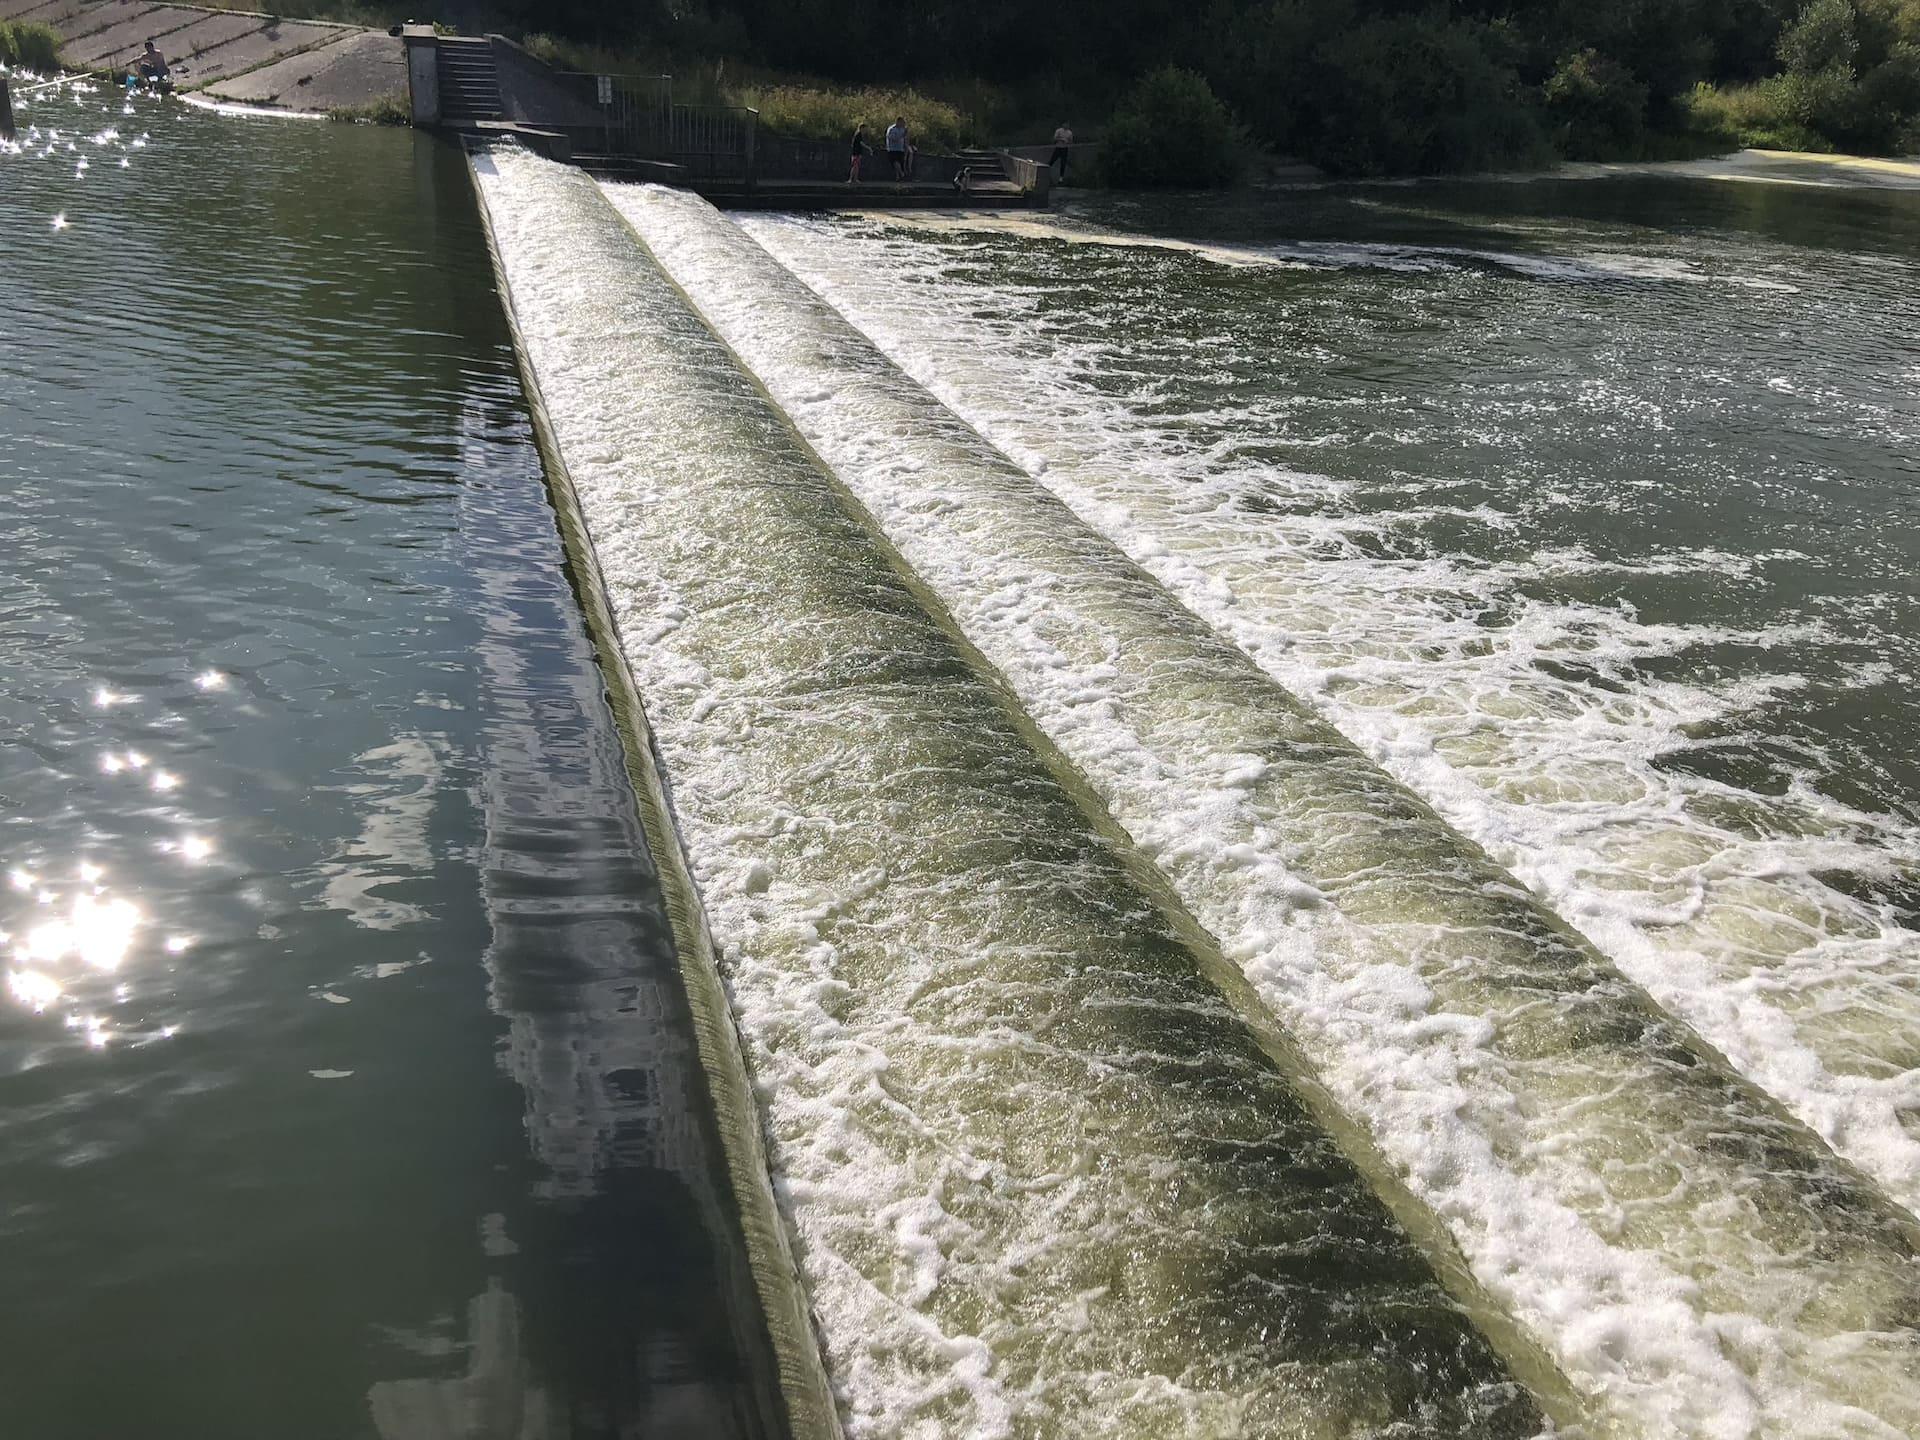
(1763, 167)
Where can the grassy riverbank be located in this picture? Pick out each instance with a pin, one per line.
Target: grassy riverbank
(1196, 90)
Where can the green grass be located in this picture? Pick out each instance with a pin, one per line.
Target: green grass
(387, 110)
(798, 106)
(29, 46)
(1760, 116)
(821, 114)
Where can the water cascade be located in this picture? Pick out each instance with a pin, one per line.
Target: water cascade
(1690, 1254)
(1768, 917)
(1042, 1177)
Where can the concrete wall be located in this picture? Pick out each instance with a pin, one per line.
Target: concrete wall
(532, 92)
(423, 73)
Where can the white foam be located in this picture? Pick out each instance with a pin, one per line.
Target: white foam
(1426, 989)
(1689, 884)
(1035, 1167)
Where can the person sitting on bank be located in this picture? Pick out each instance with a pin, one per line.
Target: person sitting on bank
(860, 147)
(897, 147)
(1062, 148)
(152, 65)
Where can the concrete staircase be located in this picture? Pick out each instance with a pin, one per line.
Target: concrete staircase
(469, 83)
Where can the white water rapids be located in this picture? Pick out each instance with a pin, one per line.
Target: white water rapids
(930, 944)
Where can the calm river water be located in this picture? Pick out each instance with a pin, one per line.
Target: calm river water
(344, 1080)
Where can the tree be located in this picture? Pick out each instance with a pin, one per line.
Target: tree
(1597, 106)
(1172, 130)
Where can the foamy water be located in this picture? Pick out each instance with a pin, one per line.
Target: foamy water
(1042, 1178)
(1537, 726)
(1582, 1155)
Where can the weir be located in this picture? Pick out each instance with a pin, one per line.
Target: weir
(1694, 1258)
(1528, 722)
(1041, 1178)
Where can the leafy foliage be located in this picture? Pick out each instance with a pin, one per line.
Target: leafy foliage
(29, 46)
(1356, 86)
(1851, 80)
(1172, 130)
(1597, 105)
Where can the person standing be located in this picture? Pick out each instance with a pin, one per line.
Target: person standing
(897, 147)
(1062, 148)
(860, 147)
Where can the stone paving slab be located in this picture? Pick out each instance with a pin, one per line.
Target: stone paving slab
(271, 41)
(118, 44)
(360, 67)
(16, 9)
(205, 33)
(56, 13)
(96, 18)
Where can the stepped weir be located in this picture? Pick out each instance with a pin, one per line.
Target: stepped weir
(1128, 1045)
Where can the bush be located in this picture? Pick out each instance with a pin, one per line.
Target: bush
(30, 46)
(1172, 131)
(1761, 115)
(1598, 108)
(1824, 101)
(1890, 93)
(807, 113)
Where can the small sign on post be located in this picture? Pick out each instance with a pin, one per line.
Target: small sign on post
(605, 83)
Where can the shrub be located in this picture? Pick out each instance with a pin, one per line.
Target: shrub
(1827, 101)
(29, 45)
(1172, 131)
(1890, 93)
(1598, 108)
(1760, 115)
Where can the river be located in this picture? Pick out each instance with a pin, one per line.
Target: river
(347, 1079)
(1306, 804)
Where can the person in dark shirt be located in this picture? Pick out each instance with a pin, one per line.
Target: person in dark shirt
(860, 147)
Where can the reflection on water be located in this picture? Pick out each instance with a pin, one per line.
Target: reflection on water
(342, 1084)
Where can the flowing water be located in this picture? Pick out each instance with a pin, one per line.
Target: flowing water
(1306, 806)
(1522, 1086)
(347, 1078)
(1586, 509)
(1043, 1178)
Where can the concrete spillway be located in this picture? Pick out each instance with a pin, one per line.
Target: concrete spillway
(1619, 1188)
(1041, 1177)
(998, 1061)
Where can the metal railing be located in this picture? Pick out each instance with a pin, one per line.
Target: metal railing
(715, 142)
(637, 117)
(635, 111)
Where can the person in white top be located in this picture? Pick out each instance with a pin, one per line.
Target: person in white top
(1062, 143)
(898, 147)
